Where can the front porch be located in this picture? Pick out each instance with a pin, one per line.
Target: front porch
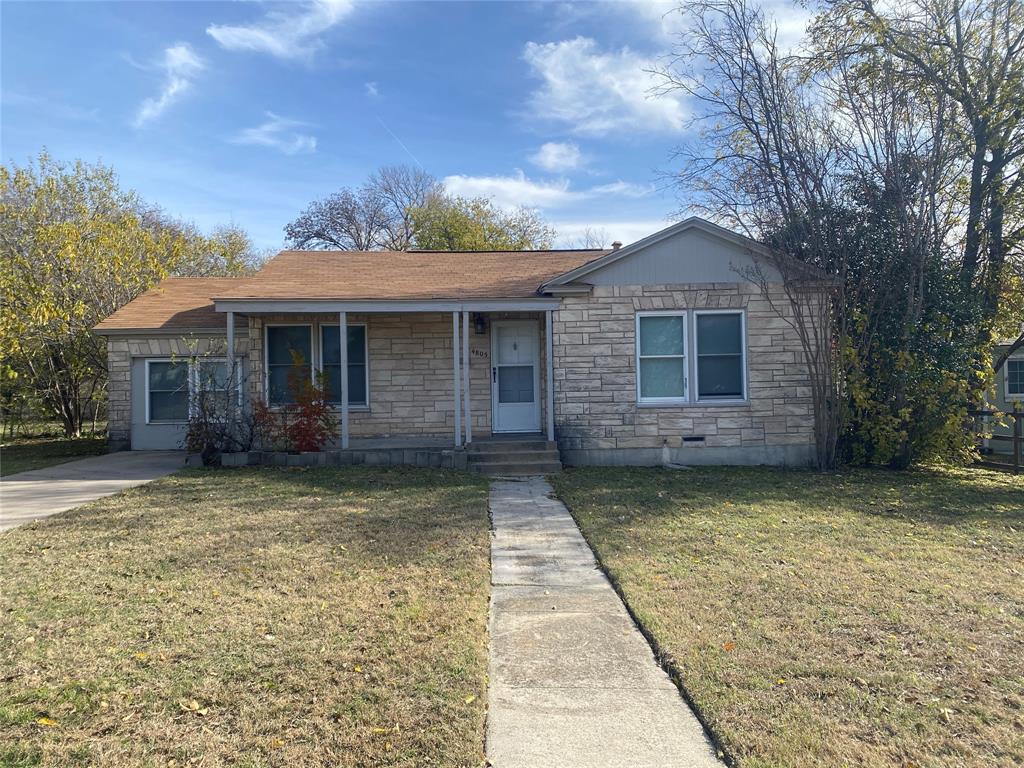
(502, 455)
(417, 378)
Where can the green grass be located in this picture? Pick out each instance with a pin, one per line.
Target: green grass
(255, 617)
(866, 618)
(23, 454)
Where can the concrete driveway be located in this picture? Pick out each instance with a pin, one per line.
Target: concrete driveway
(40, 493)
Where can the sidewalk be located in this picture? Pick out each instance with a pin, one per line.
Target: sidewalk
(573, 683)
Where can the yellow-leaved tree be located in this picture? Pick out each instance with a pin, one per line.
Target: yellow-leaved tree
(75, 247)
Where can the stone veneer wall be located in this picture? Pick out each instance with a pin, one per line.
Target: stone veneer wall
(121, 350)
(598, 420)
(410, 361)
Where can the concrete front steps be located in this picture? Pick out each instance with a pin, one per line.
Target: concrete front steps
(512, 457)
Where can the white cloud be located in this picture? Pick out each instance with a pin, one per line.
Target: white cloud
(180, 66)
(597, 93)
(518, 189)
(278, 133)
(284, 34)
(512, 191)
(558, 157)
(372, 90)
(622, 188)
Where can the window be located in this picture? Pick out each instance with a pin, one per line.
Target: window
(211, 379)
(1014, 378)
(166, 391)
(357, 369)
(719, 353)
(286, 344)
(661, 356)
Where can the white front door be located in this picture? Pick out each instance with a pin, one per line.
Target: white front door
(515, 376)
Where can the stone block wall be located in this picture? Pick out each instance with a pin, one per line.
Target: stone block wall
(598, 419)
(410, 371)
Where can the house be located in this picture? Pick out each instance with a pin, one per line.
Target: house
(1007, 394)
(662, 350)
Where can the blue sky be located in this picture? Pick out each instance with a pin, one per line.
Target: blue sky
(244, 112)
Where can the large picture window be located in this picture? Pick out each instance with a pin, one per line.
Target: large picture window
(719, 353)
(167, 391)
(284, 344)
(357, 370)
(1014, 379)
(661, 357)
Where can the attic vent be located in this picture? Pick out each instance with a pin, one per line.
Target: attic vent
(616, 245)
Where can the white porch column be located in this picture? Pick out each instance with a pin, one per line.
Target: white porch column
(343, 375)
(457, 379)
(550, 377)
(465, 377)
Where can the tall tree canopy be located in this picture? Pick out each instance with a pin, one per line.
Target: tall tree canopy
(76, 247)
(885, 152)
(400, 207)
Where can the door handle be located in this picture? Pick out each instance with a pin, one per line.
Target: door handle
(494, 374)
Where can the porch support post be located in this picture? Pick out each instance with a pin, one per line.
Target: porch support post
(456, 379)
(233, 382)
(343, 376)
(550, 377)
(465, 377)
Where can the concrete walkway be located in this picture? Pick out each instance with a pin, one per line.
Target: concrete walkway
(573, 683)
(40, 493)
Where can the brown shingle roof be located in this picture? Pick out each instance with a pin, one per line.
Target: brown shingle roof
(406, 275)
(176, 303)
(187, 303)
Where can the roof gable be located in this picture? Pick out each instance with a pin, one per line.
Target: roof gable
(690, 251)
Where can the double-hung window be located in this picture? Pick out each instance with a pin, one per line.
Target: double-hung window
(719, 355)
(330, 347)
(287, 345)
(1014, 378)
(664, 362)
(167, 391)
(661, 357)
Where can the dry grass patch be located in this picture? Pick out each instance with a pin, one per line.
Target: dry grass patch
(861, 619)
(251, 618)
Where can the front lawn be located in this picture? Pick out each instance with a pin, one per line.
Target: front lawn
(866, 618)
(257, 617)
(22, 454)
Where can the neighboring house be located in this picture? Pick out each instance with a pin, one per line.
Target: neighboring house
(660, 350)
(1008, 392)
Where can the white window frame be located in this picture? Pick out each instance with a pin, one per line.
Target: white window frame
(684, 314)
(366, 356)
(188, 384)
(743, 358)
(1007, 394)
(266, 356)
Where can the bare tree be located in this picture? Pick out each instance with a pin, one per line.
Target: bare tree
(376, 216)
(837, 170)
(403, 190)
(591, 238)
(349, 220)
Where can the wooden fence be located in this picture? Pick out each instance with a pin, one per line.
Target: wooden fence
(984, 421)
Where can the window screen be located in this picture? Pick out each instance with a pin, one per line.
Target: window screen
(282, 342)
(167, 385)
(720, 356)
(661, 355)
(356, 363)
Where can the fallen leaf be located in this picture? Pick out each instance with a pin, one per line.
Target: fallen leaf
(47, 721)
(729, 646)
(470, 699)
